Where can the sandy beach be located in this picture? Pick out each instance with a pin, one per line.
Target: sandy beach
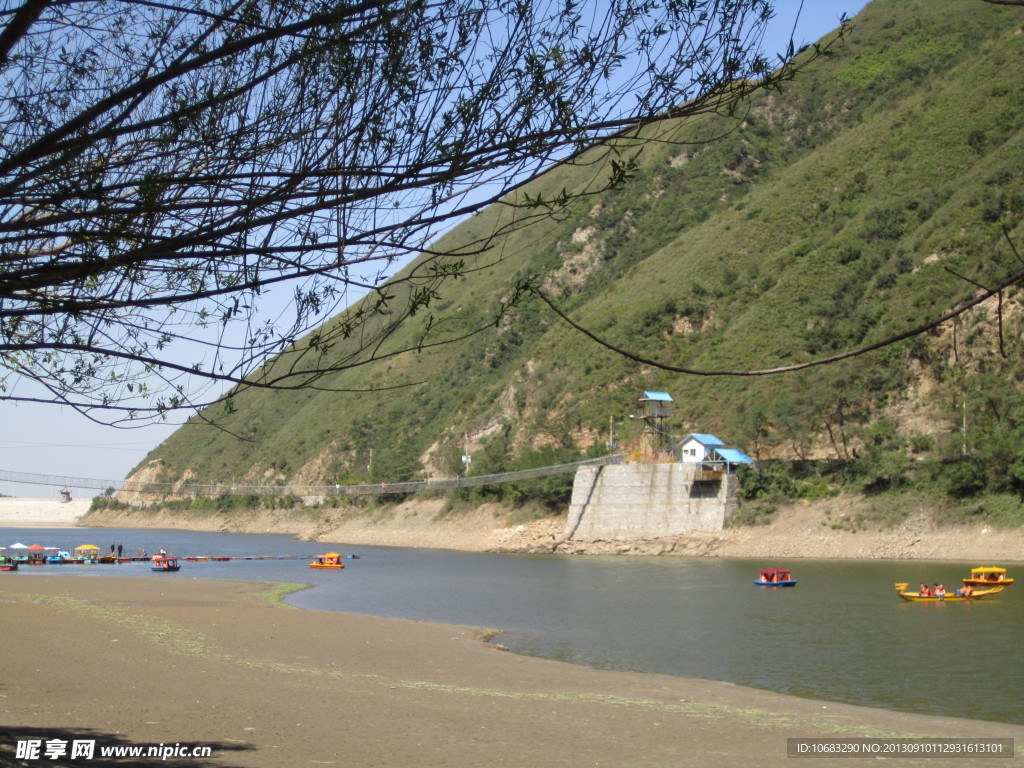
(189, 662)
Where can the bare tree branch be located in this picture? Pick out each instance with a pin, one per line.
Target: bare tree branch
(165, 164)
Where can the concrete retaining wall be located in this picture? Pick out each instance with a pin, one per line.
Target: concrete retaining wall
(643, 501)
(39, 513)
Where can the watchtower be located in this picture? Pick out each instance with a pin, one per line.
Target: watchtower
(655, 412)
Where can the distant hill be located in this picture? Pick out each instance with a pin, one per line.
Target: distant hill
(870, 195)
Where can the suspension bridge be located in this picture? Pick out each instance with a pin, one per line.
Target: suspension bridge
(234, 489)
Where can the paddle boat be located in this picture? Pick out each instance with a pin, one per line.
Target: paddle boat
(330, 560)
(775, 577)
(6, 564)
(165, 563)
(988, 576)
(954, 597)
(87, 553)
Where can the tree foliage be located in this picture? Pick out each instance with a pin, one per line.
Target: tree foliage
(188, 187)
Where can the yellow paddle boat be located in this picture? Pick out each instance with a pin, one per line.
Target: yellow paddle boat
(330, 560)
(988, 576)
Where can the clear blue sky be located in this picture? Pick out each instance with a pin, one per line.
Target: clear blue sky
(50, 440)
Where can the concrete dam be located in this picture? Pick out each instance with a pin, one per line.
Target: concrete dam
(643, 501)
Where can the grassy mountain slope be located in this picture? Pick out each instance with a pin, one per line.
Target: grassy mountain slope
(870, 195)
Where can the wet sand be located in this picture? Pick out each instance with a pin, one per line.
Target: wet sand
(211, 662)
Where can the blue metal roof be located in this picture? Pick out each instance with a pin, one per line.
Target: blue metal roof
(733, 456)
(663, 397)
(708, 441)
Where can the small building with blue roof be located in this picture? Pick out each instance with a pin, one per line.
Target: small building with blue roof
(709, 451)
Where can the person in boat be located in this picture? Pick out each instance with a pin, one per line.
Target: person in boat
(939, 591)
(924, 591)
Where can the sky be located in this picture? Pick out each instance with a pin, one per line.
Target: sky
(39, 439)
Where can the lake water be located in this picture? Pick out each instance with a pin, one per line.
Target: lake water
(841, 634)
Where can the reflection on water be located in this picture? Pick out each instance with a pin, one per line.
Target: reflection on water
(841, 634)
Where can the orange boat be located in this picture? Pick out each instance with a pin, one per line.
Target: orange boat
(330, 560)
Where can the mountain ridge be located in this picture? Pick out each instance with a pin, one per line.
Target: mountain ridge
(825, 219)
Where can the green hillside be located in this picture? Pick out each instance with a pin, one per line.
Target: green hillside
(869, 196)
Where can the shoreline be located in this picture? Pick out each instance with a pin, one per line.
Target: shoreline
(800, 530)
(218, 662)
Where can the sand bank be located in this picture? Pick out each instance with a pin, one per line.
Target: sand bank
(126, 661)
(20, 512)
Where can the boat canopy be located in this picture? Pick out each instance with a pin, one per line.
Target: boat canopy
(775, 570)
(988, 569)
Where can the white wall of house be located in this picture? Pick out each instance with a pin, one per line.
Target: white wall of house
(692, 450)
